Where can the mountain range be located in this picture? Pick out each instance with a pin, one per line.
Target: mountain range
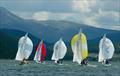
(13, 27)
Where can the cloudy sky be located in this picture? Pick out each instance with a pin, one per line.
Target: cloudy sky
(98, 13)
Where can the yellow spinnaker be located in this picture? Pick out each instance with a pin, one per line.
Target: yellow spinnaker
(83, 43)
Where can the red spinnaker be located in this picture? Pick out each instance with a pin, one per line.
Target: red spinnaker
(43, 51)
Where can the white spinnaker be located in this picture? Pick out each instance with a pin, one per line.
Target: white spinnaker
(25, 47)
(77, 48)
(38, 52)
(75, 56)
(106, 49)
(60, 50)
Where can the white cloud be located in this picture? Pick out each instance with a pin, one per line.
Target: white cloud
(60, 16)
(104, 19)
(91, 21)
(83, 5)
(112, 14)
(41, 16)
(97, 13)
(108, 17)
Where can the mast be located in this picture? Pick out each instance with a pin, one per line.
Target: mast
(80, 43)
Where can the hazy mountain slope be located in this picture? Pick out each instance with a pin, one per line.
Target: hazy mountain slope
(50, 31)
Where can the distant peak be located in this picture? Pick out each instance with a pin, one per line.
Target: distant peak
(5, 14)
(3, 8)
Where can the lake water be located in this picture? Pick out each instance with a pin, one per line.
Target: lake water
(12, 68)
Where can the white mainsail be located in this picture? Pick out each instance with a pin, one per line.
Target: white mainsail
(106, 49)
(25, 47)
(38, 52)
(60, 50)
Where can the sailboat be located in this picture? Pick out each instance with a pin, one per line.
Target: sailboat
(106, 49)
(40, 52)
(25, 47)
(60, 50)
(79, 47)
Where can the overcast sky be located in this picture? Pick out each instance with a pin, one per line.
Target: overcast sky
(98, 13)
